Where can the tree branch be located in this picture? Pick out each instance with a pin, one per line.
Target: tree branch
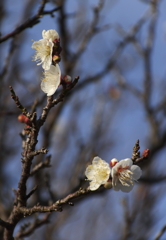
(30, 22)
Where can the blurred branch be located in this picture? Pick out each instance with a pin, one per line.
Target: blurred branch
(91, 32)
(30, 22)
(8, 58)
(27, 229)
(4, 224)
(148, 83)
(152, 180)
(122, 82)
(112, 61)
(159, 235)
(128, 220)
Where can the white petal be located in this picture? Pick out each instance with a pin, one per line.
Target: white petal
(50, 34)
(96, 160)
(48, 88)
(126, 162)
(99, 163)
(47, 62)
(55, 70)
(94, 185)
(115, 181)
(117, 186)
(113, 172)
(90, 172)
(50, 84)
(137, 172)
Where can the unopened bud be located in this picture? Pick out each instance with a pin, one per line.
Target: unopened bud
(56, 41)
(56, 58)
(146, 153)
(108, 184)
(23, 119)
(27, 129)
(67, 79)
(113, 162)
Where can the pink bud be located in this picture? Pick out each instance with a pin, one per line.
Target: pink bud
(23, 119)
(146, 153)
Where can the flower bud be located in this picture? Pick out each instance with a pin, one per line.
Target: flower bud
(23, 119)
(108, 184)
(56, 41)
(113, 162)
(56, 58)
(67, 79)
(146, 153)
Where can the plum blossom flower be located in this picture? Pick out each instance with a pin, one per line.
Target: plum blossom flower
(44, 48)
(51, 80)
(124, 174)
(98, 173)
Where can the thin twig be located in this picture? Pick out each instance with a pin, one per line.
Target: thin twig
(159, 235)
(41, 165)
(28, 229)
(17, 101)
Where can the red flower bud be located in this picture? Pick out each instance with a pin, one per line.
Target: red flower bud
(113, 162)
(23, 119)
(146, 153)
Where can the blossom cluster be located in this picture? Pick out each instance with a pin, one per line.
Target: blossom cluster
(48, 54)
(120, 176)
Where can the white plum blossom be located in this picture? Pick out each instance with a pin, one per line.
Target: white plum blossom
(98, 173)
(51, 80)
(44, 48)
(124, 174)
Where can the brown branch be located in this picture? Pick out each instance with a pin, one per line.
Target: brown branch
(31, 192)
(136, 158)
(17, 101)
(41, 165)
(20, 210)
(57, 206)
(152, 180)
(30, 22)
(40, 151)
(28, 229)
(5, 224)
(51, 103)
